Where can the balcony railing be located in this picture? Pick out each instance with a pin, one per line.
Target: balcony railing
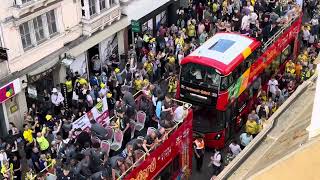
(20, 8)
(99, 21)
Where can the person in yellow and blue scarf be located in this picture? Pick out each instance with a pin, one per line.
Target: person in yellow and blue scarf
(172, 84)
(7, 170)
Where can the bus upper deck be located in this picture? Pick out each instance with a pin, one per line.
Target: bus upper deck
(170, 158)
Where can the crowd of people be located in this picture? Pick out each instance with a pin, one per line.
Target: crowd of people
(49, 143)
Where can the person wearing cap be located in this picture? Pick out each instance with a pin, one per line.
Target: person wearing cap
(110, 101)
(138, 81)
(82, 81)
(103, 90)
(57, 100)
(94, 80)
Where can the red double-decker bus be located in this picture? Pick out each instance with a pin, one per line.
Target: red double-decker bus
(172, 159)
(218, 76)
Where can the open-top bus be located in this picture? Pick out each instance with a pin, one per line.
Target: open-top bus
(172, 158)
(218, 78)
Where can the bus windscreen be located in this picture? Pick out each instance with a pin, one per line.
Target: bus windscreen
(200, 75)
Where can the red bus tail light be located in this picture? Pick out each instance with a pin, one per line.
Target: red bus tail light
(222, 101)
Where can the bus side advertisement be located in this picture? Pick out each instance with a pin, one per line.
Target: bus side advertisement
(179, 143)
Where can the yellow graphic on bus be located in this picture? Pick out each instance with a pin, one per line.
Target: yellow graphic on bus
(244, 81)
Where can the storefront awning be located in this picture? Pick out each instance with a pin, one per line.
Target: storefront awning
(47, 66)
(137, 9)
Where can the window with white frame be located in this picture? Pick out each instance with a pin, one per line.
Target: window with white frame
(92, 7)
(51, 21)
(102, 4)
(39, 29)
(113, 2)
(25, 35)
(25, 1)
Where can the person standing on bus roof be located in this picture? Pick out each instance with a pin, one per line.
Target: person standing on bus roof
(199, 151)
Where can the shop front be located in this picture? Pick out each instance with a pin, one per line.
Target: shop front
(151, 22)
(41, 81)
(12, 105)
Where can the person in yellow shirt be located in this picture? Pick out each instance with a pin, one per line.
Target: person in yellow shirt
(149, 67)
(27, 134)
(171, 59)
(303, 58)
(7, 170)
(172, 84)
(82, 81)
(215, 8)
(252, 127)
(191, 30)
(290, 68)
(30, 175)
(42, 141)
(138, 82)
(179, 41)
(69, 87)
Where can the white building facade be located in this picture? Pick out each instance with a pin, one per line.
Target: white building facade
(45, 39)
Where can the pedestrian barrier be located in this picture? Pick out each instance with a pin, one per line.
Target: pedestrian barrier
(247, 151)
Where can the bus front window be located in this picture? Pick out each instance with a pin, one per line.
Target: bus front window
(200, 75)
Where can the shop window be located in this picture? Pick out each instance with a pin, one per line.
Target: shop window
(102, 4)
(148, 26)
(25, 1)
(161, 19)
(52, 25)
(113, 2)
(25, 35)
(38, 30)
(92, 7)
